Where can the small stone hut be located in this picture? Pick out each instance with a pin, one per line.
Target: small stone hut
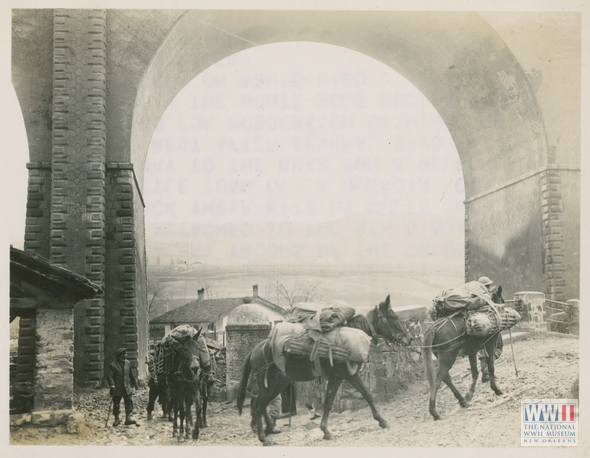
(246, 326)
(43, 296)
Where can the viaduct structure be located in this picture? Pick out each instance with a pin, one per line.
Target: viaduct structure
(93, 84)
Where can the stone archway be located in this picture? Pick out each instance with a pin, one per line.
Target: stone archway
(93, 85)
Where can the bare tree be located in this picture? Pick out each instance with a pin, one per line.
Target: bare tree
(206, 282)
(157, 298)
(289, 290)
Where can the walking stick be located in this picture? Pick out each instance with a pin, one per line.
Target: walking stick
(109, 413)
(290, 403)
(512, 346)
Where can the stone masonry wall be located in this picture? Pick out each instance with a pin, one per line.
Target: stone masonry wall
(78, 169)
(54, 378)
(240, 341)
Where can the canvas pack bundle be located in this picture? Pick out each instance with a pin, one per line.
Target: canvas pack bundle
(173, 341)
(304, 345)
(452, 300)
(486, 321)
(510, 318)
(340, 344)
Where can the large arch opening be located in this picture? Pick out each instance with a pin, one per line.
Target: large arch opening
(309, 154)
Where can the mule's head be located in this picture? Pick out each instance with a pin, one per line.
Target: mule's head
(388, 324)
(497, 296)
(189, 357)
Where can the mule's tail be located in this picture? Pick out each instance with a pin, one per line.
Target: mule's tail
(241, 394)
(427, 354)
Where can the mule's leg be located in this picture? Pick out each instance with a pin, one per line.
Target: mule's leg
(196, 398)
(333, 385)
(474, 375)
(197, 427)
(176, 409)
(449, 382)
(490, 358)
(445, 361)
(280, 384)
(357, 383)
(153, 395)
(203, 410)
(257, 410)
(181, 414)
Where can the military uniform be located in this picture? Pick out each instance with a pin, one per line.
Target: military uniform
(498, 347)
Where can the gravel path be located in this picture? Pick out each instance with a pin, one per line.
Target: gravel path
(547, 367)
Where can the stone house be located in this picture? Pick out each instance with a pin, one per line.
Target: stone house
(212, 314)
(43, 296)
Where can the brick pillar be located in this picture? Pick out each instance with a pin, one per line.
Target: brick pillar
(241, 339)
(38, 208)
(54, 378)
(78, 170)
(126, 296)
(25, 368)
(553, 240)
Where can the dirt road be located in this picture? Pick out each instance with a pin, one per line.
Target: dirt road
(547, 368)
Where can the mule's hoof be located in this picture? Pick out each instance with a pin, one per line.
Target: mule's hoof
(328, 436)
(485, 378)
(268, 443)
(383, 424)
(498, 392)
(463, 403)
(468, 397)
(436, 417)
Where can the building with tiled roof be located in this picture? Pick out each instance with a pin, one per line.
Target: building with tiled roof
(211, 315)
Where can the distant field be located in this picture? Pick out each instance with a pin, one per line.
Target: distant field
(362, 290)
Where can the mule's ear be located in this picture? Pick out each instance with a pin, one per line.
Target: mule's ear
(386, 304)
(197, 335)
(500, 290)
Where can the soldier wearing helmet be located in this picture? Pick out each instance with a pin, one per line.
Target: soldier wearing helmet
(486, 282)
(485, 376)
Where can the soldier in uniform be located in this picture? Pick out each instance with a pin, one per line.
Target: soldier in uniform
(485, 375)
(122, 382)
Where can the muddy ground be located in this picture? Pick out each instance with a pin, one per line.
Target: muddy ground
(547, 369)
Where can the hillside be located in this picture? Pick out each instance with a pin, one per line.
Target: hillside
(411, 242)
(361, 289)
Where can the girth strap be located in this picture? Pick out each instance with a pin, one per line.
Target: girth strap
(264, 348)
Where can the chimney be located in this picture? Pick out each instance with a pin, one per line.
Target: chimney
(201, 294)
(255, 291)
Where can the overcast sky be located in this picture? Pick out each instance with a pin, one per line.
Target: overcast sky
(301, 132)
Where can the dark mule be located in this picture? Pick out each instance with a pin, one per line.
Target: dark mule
(446, 339)
(271, 381)
(206, 386)
(185, 387)
(159, 387)
(159, 390)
